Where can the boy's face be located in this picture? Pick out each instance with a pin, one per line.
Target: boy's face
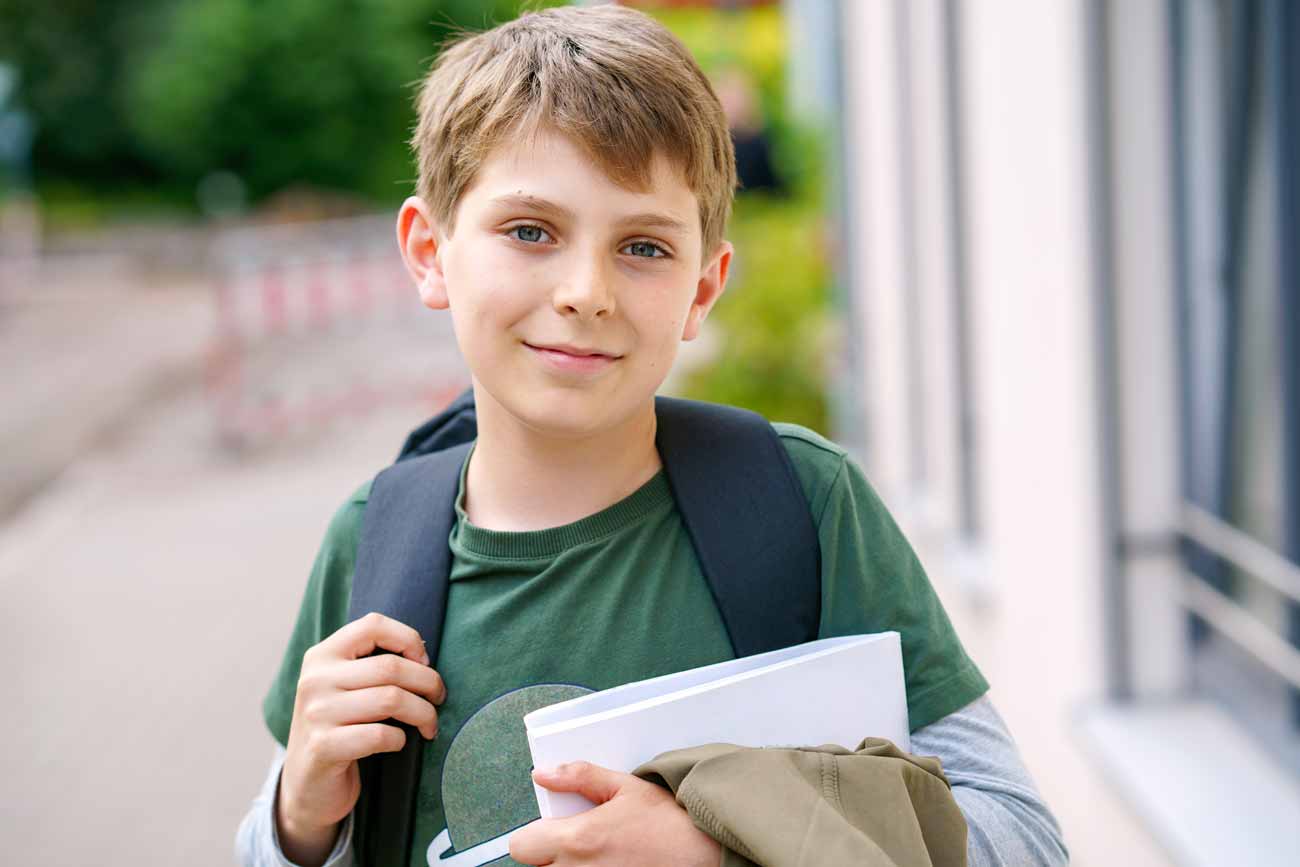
(568, 293)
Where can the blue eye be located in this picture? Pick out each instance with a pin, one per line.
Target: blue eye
(529, 234)
(646, 250)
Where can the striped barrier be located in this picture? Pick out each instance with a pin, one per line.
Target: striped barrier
(320, 322)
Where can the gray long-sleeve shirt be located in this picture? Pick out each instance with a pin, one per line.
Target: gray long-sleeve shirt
(1009, 823)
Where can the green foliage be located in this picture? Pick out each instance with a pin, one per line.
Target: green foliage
(71, 56)
(155, 94)
(295, 91)
(753, 39)
(772, 322)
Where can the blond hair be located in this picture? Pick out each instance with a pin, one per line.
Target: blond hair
(612, 79)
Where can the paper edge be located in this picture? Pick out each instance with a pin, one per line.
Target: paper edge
(699, 688)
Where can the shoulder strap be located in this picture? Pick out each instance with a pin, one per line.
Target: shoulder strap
(456, 424)
(402, 570)
(748, 520)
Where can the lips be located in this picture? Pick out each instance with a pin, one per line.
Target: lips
(567, 359)
(575, 351)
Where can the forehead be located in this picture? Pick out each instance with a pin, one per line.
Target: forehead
(548, 165)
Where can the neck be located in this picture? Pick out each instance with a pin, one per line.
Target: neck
(520, 479)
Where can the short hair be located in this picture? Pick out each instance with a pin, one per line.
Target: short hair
(611, 79)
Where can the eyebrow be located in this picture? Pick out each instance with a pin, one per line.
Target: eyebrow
(648, 219)
(534, 203)
(655, 221)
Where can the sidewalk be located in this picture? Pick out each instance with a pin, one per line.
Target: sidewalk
(84, 355)
(157, 583)
(153, 576)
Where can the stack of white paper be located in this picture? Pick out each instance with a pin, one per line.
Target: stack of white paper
(832, 691)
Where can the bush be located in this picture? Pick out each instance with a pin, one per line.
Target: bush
(152, 95)
(297, 91)
(772, 322)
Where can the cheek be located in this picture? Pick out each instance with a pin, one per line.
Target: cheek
(660, 335)
(661, 308)
(481, 290)
(674, 315)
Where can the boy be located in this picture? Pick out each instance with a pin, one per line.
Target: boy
(575, 177)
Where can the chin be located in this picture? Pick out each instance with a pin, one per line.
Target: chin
(568, 418)
(570, 413)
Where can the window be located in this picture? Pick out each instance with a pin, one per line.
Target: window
(1236, 91)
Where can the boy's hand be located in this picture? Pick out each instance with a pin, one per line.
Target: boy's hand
(633, 823)
(343, 696)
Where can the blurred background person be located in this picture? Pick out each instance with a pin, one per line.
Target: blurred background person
(748, 131)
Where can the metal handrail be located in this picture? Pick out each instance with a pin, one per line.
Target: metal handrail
(1234, 622)
(1242, 550)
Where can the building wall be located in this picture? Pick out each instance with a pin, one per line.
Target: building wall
(1024, 581)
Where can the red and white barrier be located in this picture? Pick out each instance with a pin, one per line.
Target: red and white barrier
(291, 301)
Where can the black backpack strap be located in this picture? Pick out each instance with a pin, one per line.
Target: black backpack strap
(456, 424)
(748, 519)
(402, 570)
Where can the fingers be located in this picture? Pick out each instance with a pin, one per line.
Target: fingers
(538, 842)
(593, 782)
(345, 744)
(344, 696)
(544, 841)
(636, 823)
(389, 668)
(365, 635)
(376, 704)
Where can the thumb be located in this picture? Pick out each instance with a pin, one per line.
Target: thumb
(593, 782)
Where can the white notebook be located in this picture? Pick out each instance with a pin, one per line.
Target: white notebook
(832, 691)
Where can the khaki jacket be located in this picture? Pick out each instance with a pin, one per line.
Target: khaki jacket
(876, 806)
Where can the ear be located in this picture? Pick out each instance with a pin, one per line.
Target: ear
(711, 285)
(420, 242)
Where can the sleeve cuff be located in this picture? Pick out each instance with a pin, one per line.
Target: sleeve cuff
(340, 856)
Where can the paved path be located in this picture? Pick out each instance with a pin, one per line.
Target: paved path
(149, 594)
(150, 578)
(83, 354)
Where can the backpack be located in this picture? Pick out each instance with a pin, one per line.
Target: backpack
(739, 498)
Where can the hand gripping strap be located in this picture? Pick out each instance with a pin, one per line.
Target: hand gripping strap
(402, 569)
(748, 520)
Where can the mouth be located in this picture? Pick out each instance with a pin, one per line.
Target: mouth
(573, 359)
(574, 351)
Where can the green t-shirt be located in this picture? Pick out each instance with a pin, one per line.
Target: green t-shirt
(538, 617)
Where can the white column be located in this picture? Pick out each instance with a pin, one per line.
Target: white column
(871, 92)
(934, 266)
(1142, 222)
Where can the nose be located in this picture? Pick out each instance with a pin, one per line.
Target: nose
(585, 291)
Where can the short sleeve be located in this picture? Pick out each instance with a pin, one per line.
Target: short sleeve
(323, 611)
(872, 580)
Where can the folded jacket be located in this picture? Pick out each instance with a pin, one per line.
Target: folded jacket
(876, 806)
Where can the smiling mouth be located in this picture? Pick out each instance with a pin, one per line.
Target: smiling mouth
(572, 351)
(573, 361)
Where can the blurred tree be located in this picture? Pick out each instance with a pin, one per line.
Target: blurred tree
(15, 136)
(70, 57)
(772, 325)
(163, 92)
(296, 91)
